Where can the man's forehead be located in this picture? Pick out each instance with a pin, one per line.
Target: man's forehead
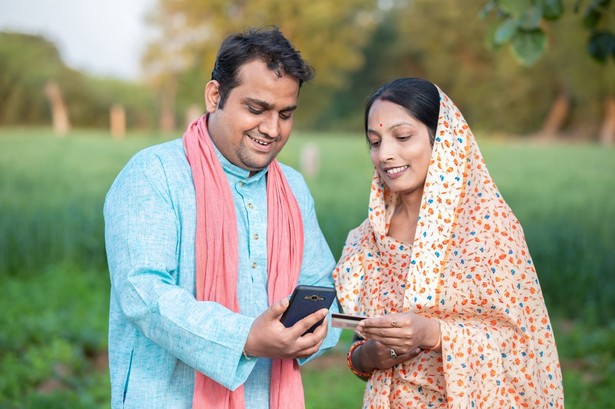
(258, 68)
(259, 85)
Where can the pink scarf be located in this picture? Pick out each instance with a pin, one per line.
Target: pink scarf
(217, 259)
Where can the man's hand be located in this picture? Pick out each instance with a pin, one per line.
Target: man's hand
(269, 338)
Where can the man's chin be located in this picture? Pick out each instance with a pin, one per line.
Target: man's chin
(255, 168)
(259, 164)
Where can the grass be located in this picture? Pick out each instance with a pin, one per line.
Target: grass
(327, 382)
(53, 324)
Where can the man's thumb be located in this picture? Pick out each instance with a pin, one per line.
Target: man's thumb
(278, 308)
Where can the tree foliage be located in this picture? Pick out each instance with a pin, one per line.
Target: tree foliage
(524, 25)
(21, 87)
(355, 47)
(28, 62)
(329, 34)
(445, 42)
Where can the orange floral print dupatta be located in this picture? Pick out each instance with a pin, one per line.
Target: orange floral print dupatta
(470, 268)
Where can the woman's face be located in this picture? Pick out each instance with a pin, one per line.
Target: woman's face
(400, 147)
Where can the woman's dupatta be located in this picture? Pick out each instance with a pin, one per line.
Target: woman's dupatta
(470, 268)
(217, 260)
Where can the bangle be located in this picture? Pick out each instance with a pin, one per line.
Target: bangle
(354, 370)
(435, 347)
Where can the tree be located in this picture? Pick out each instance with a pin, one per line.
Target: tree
(33, 70)
(22, 96)
(442, 41)
(525, 27)
(439, 41)
(59, 112)
(329, 35)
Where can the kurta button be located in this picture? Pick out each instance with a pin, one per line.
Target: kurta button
(240, 183)
(254, 265)
(255, 236)
(250, 206)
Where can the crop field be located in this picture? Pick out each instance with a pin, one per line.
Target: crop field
(55, 285)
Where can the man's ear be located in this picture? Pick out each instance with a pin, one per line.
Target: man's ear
(212, 96)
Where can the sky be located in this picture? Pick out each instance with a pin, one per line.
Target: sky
(102, 37)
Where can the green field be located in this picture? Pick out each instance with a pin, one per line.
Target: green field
(54, 303)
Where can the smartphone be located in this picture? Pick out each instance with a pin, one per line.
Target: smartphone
(305, 300)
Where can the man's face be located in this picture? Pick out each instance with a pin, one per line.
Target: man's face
(257, 117)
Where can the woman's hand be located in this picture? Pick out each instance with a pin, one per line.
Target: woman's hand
(402, 333)
(374, 355)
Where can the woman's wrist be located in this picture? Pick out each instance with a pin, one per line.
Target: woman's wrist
(361, 358)
(354, 360)
(433, 340)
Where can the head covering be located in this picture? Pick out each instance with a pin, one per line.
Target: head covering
(470, 268)
(217, 259)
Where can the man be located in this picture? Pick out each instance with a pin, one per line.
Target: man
(207, 236)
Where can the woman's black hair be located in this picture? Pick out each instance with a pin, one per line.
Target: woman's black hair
(418, 96)
(267, 44)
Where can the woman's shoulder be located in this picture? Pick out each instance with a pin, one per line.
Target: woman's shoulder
(356, 235)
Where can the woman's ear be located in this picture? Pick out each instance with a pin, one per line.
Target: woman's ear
(212, 96)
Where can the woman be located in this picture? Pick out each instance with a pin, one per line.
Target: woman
(456, 316)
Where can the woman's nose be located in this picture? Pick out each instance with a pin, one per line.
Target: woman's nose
(386, 151)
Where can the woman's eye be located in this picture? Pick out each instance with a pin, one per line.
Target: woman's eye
(374, 144)
(403, 137)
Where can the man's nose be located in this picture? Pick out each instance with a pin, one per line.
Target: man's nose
(270, 125)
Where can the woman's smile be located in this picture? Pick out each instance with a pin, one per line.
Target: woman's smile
(396, 172)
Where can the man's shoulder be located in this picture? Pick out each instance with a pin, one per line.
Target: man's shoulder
(291, 173)
(170, 150)
(295, 179)
(156, 162)
(165, 155)
(298, 186)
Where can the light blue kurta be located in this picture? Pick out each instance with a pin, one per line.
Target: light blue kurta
(158, 332)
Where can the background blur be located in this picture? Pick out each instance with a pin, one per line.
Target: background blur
(85, 85)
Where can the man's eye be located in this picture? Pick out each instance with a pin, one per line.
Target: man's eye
(255, 111)
(286, 115)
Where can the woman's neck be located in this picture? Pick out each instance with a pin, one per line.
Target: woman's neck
(405, 218)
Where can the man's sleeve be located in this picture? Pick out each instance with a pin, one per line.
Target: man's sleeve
(142, 233)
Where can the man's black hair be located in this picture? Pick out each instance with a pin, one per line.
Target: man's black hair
(267, 44)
